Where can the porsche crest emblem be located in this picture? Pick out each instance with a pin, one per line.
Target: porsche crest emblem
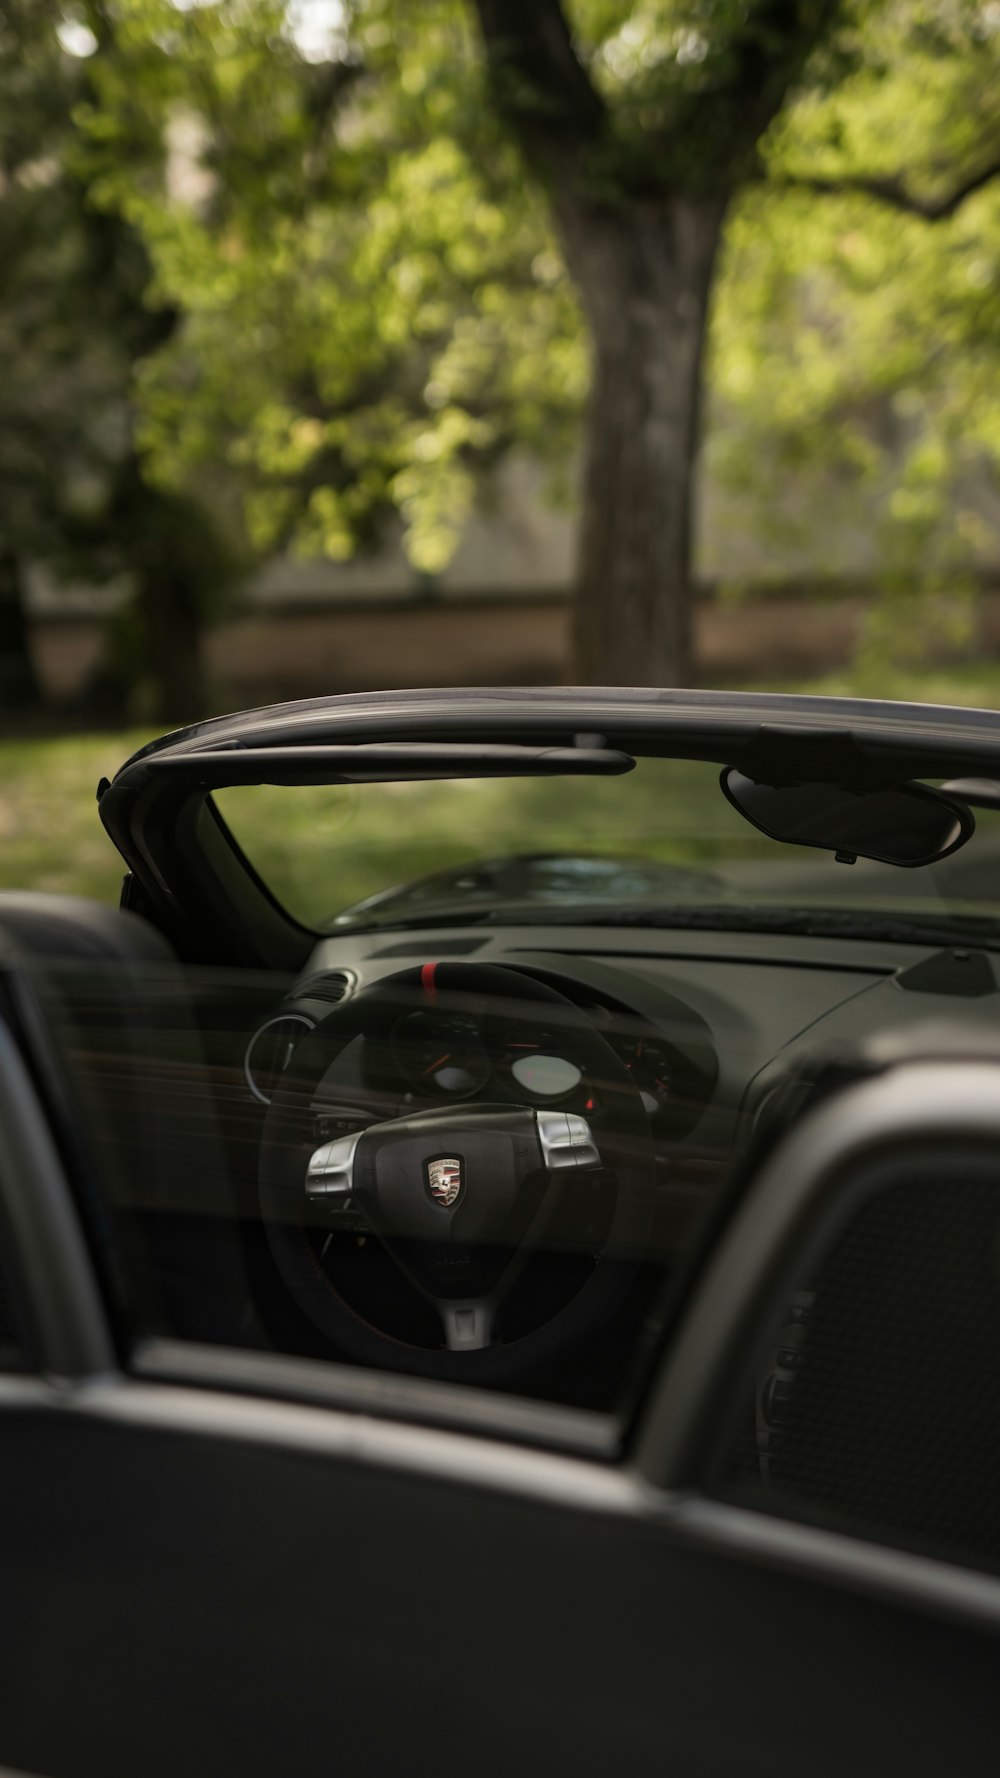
(444, 1180)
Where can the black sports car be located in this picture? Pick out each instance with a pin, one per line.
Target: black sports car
(501, 1246)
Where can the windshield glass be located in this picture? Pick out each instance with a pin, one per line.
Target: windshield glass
(661, 843)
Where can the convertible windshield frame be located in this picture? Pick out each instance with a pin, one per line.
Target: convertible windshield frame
(189, 875)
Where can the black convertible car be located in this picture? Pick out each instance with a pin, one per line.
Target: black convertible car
(500, 1247)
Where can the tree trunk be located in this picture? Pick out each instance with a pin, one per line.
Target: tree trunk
(171, 639)
(644, 271)
(20, 690)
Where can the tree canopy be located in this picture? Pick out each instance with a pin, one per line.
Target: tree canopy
(378, 287)
(856, 344)
(374, 311)
(77, 315)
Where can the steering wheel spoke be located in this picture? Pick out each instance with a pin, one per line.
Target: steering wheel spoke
(566, 1140)
(330, 1173)
(468, 1326)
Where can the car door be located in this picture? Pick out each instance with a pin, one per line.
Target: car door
(220, 1559)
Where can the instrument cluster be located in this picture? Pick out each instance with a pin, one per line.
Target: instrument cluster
(450, 1056)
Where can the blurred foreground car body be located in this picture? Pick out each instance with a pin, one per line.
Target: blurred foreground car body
(501, 1253)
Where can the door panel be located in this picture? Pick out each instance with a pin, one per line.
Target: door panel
(189, 1602)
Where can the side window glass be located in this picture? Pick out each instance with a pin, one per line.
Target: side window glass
(457, 1174)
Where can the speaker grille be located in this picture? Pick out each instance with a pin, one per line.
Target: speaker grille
(884, 1420)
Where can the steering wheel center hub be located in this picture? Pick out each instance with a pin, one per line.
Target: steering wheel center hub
(487, 1161)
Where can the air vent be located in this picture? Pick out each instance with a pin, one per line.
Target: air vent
(270, 1051)
(329, 988)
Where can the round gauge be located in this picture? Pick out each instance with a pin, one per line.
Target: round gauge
(440, 1053)
(545, 1076)
(651, 1067)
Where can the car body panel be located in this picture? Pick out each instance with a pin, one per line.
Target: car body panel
(229, 1560)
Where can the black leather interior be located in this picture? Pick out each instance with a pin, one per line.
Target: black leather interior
(119, 1038)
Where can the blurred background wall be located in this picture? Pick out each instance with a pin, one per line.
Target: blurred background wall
(499, 612)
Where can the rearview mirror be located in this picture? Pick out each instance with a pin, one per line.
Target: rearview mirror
(903, 824)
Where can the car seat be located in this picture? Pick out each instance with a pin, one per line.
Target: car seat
(112, 1028)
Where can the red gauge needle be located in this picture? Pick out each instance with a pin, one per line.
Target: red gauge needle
(439, 1063)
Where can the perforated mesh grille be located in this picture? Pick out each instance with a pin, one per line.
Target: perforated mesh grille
(886, 1419)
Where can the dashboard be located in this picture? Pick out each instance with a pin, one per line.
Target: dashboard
(713, 1029)
(705, 1023)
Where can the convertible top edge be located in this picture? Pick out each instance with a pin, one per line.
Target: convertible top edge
(692, 717)
(531, 731)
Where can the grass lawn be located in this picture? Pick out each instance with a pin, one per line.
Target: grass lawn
(975, 684)
(50, 832)
(332, 847)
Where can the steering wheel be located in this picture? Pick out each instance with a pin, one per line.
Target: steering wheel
(459, 1197)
